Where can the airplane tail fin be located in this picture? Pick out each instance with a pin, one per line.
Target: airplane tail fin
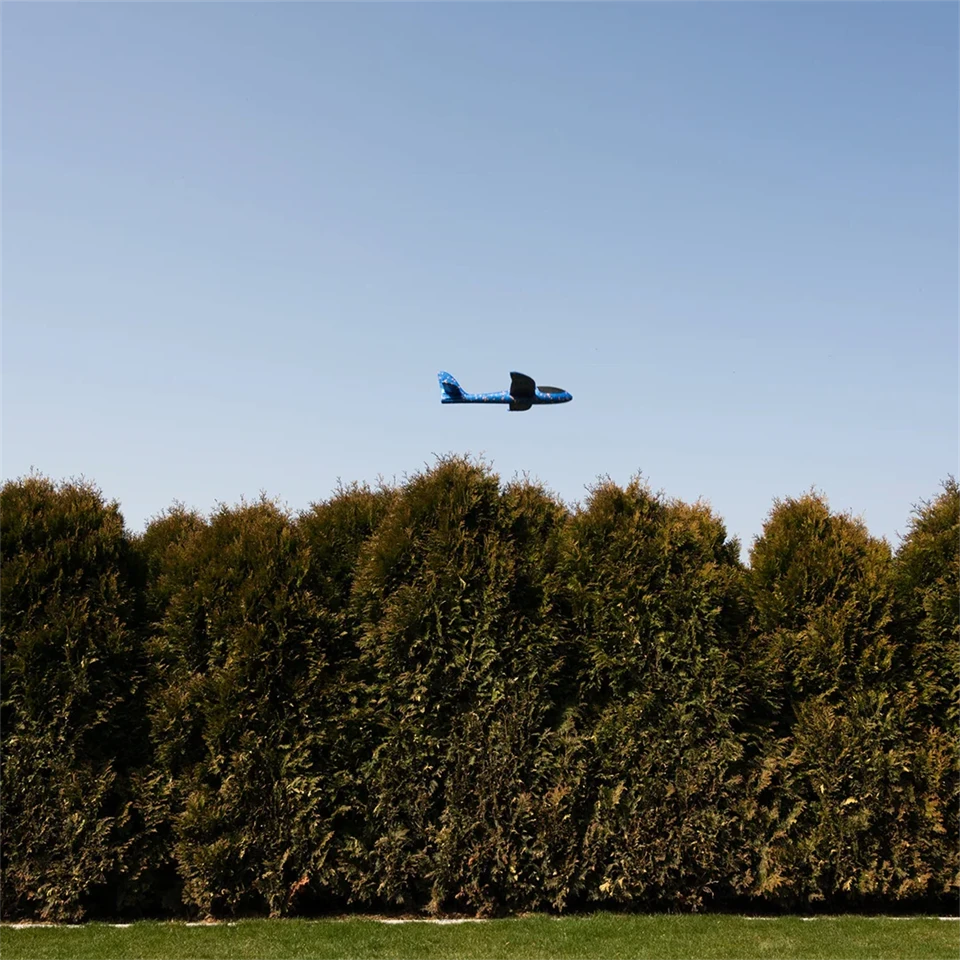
(450, 390)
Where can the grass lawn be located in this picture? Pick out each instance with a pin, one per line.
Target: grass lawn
(600, 935)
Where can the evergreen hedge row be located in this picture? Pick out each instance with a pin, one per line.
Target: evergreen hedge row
(454, 694)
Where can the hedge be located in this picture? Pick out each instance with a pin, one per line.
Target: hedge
(460, 694)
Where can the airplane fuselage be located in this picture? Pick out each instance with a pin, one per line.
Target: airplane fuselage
(522, 395)
(504, 396)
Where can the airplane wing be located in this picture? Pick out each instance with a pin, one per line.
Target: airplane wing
(522, 387)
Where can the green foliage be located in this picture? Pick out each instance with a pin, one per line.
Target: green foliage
(237, 638)
(72, 728)
(333, 741)
(657, 598)
(851, 807)
(457, 694)
(927, 579)
(509, 833)
(334, 533)
(162, 549)
(253, 709)
(848, 792)
(927, 572)
(461, 656)
(822, 593)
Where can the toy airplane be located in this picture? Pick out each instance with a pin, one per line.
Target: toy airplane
(522, 395)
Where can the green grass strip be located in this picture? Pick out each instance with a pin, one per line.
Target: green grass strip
(600, 935)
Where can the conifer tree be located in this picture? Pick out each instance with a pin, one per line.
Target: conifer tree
(846, 808)
(657, 599)
(233, 649)
(73, 729)
(927, 581)
(460, 654)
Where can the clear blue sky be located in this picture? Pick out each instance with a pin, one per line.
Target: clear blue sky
(240, 241)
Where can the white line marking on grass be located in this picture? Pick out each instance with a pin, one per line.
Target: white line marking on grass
(850, 916)
(34, 925)
(429, 920)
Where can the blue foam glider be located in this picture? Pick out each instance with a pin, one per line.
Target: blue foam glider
(522, 395)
